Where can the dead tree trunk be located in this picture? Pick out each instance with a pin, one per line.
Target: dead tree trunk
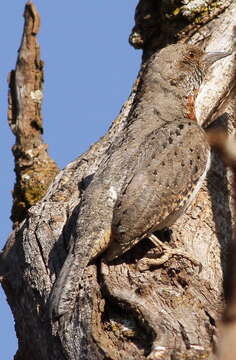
(122, 313)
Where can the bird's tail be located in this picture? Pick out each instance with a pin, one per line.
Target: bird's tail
(91, 237)
(66, 287)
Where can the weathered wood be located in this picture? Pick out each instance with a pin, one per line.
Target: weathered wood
(34, 168)
(122, 312)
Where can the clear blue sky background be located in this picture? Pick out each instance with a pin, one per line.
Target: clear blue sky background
(85, 45)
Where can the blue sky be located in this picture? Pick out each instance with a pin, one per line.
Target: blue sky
(85, 45)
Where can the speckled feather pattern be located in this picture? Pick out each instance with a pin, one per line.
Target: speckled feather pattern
(148, 176)
(167, 173)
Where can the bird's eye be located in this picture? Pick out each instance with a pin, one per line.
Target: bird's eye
(191, 54)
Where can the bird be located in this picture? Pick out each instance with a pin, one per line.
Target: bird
(149, 176)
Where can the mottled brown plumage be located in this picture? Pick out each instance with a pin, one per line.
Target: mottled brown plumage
(149, 176)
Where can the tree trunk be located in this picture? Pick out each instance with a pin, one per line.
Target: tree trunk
(167, 312)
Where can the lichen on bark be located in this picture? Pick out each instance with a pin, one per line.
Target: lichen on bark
(121, 312)
(34, 168)
(170, 21)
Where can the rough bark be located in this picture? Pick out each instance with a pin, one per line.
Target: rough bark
(122, 313)
(34, 169)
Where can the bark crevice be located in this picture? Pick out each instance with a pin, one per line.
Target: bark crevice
(168, 312)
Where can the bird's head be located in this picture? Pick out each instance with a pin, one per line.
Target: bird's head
(186, 65)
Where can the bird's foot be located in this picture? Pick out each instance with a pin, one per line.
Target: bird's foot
(168, 253)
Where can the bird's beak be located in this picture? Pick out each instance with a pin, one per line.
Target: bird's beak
(211, 57)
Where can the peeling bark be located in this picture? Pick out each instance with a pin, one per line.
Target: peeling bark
(123, 313)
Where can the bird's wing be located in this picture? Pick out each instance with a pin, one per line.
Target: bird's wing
(166, 180)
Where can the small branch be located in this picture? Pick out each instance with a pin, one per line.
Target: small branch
(226, 146)
(227, 349)
(33, 167)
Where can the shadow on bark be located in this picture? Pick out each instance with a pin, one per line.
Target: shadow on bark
(218, 187)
